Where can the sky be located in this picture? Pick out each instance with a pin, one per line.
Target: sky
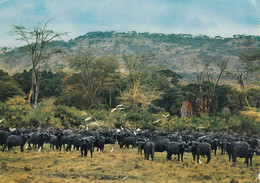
(197, 17)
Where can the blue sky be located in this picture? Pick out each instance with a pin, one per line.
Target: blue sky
(208, 17)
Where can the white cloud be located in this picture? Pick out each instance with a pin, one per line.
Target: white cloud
(3, 1)
(78, 17)
(255, 3)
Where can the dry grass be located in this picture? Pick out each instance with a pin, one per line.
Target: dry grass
(121, 165)
(253, 114)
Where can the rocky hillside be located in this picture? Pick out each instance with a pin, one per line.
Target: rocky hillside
(179, 52)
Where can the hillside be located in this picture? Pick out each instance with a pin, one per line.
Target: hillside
(175, 51)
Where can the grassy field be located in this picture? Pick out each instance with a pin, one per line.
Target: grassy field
(121, 165)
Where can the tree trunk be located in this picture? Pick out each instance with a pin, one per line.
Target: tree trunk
(34, 89)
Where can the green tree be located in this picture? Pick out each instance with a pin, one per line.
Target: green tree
(110, 92)
(167, 82)
(252, 64)
(210, 72)
(140, 91)
(91, 75)
(250, 70)
(51, 84)
(8, 87)
(24, 80)
(37, 41)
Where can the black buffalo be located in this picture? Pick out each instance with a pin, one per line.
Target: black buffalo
(176, 148)
(128, 141)
(243, 152)
(3, 137)
(199, 149)
(149, 149)
(73, 139)
(100, 143)
(16, 140)
(161, 143)
(229, 146)
(214, 145)
(38, 139)
(140, 143)
(87, 143)
(55, 140)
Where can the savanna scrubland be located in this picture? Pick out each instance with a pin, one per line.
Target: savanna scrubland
(121, 165)
(110, 80)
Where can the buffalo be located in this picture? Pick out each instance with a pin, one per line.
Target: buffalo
(38, 139)
(199, 149)
(149, 149)
(243, 152)
(87, 143)
(16, 140)
(176, 148)
(128, 141)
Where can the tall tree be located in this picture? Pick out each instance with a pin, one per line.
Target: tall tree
(167, 82)
(250, 70)
(91, 75)
(252, 64)
(37, 41)
(210, 72)
(8, 87)
(140, 91)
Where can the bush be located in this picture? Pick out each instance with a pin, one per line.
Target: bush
(117, 118)
(14, 111)
(242, 124)
(140, 119)
(70, 116)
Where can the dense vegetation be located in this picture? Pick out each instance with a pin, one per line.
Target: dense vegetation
(141, 97)
(134, 80)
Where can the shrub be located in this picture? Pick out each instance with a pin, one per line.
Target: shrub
(70, 116)
(117, 118)
(140, 119)
(14, 111)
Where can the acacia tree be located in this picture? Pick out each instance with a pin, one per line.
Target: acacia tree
(37, 41)
(91, 75)
(252, 64)
(250, 68)
(140, 91)
(209, 75)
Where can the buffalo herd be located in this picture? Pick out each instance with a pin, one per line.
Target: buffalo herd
(199, 144)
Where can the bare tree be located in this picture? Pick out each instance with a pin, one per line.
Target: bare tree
(37, 41)
(211, 71)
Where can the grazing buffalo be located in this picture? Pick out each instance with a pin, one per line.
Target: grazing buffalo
(229, 146)
(87, 143)
(55, 140)
(243, 152)
(149, 148)
(255, 144)
(176, 148)
(128, 141)
(110, 140)
(161, 143)
(3, 137)
(38, 139)
(140, 143)
(100, 143)
(199, 149)
(214, 145)
(73, 139)
(16, 140)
